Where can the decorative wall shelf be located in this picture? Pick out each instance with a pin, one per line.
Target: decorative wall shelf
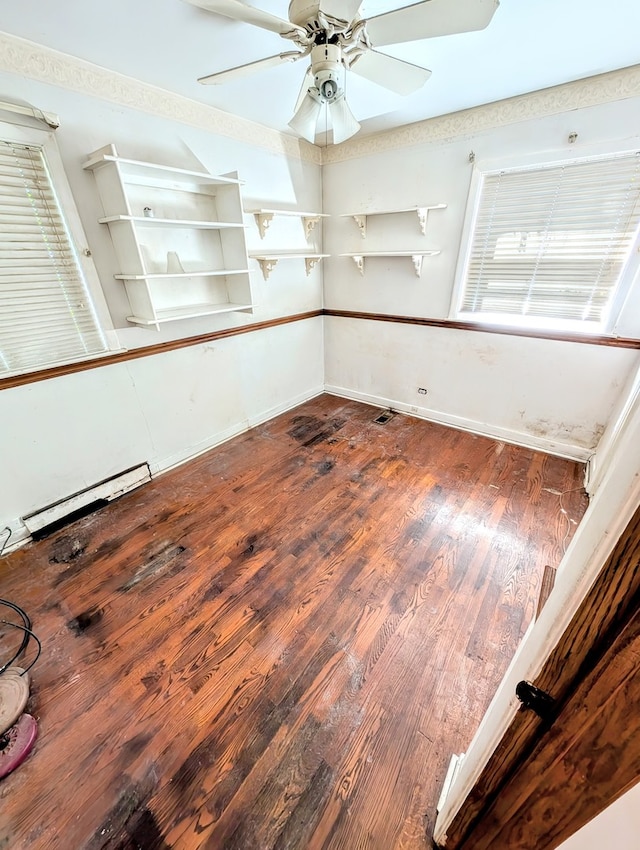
(179, 237)
(417, 258)
(422, 213)
(145, 221)
(268, 262)
(265, 217)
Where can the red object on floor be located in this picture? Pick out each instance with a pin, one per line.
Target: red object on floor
(16, 744)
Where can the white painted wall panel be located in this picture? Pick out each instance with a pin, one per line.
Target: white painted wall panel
(542, 393)
(65, 434)
(555, 396)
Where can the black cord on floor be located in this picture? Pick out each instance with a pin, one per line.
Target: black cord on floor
(27, 633)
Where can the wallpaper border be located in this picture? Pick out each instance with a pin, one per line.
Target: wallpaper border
(37, 62)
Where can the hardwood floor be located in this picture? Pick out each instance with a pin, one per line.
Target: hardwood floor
(280, 644)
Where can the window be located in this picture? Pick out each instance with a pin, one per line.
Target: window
(551, 245)
(47, 316)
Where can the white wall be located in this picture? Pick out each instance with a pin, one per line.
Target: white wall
(617, 826)
(554, 396)
(546, 394)
(61, 435)
(64, 434)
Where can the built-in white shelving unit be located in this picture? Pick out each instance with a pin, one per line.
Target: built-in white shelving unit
(265, 217)
(178, 235)
(422, 213)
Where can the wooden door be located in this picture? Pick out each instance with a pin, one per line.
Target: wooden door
(549, 777)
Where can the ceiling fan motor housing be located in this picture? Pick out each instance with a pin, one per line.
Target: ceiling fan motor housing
(326, 66)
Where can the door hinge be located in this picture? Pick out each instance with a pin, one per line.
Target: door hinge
(537, 700)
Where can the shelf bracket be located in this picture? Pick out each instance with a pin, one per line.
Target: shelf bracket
(423, 213)
(361, 221)
(309, 263)
(309, 222)
(263, 220)
(358, 259)
(417, 263)
(267, 266)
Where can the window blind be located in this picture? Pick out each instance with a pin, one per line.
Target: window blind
(46, 314)
(552, 242)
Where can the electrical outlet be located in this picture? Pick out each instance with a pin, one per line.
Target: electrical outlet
(422, 391)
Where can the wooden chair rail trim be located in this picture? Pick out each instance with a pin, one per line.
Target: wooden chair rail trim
(185, 342)
(612, 341)
(149, 350)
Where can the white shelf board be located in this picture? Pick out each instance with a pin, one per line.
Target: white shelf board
(133, 168)
(264, 218)
(287, 255)
(422, 212)
(268, 262)
(189, 311)
(416, 256)
(149, 221)
(296, 213)
(169, 275)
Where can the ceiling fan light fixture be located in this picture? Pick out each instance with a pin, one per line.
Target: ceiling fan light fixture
(342, 120)
(305, 120)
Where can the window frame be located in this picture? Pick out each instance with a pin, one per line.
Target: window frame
(28, 131)
(538, 326)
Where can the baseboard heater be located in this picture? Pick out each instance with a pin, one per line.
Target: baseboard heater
(104, 491)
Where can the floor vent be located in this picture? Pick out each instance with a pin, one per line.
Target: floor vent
(384, 416)
(80, 504)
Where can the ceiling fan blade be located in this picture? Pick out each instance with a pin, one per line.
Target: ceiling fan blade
(429, 19)
(250, 68)
(241, 12)
(305, 120)
(342, 120)
(344, 10)
(393, 74)
(307, 82)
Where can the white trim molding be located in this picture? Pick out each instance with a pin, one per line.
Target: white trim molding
(495, 432)
(604, 88)
(28, 59)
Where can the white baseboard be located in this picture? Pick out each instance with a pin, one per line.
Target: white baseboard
(517, 438)
(191, 452)
(20, 534)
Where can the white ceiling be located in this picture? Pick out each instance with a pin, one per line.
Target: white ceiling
(529, 45)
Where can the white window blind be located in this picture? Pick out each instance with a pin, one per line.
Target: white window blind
(550, 243)
(46, 314)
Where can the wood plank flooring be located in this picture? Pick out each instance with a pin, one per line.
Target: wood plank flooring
(279, 645)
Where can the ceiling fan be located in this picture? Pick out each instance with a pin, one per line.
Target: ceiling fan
(337, 39)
